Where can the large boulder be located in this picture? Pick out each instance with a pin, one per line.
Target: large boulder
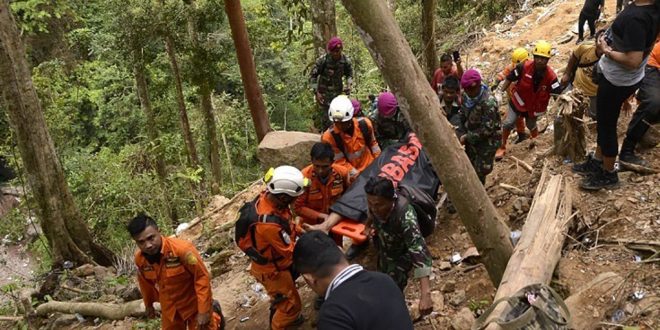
(286, 148)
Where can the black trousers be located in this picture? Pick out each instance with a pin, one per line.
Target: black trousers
(609, 100)
(648, 111)
(591, 20)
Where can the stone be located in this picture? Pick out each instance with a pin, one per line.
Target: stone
(130, 293)
(438, 300)
(448, 286)
(457, 298)
(103, 273)
(444, 265)
(84, 270)
(471, 256)
(219, 264)
(463, 320)
(629, 308)
(286, 148)
(618, 205)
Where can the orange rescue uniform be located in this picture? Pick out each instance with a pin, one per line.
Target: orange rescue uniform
(276, 244)
(319, 196)
(520, 122)
(180, 282)
(359, 154)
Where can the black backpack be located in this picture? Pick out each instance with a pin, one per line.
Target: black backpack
(244, 234)
(364, 128)
(424, 206)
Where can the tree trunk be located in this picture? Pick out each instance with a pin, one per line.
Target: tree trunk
(152, 132)
(193, 160)
(391, 5)
(212, 138)
(248, 69)
(66, 231)
(206, 105)
(106, 311)
(537, 253)
(323, 23)
(428, 37)
(421, 107)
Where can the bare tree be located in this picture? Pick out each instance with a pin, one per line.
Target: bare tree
(152, 131)
(324, 24)
(428, 37)
(421, 106)
(206, 105)
(193, 160)
(248, 69)
(67, 233)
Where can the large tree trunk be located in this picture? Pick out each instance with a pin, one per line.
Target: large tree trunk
(67, 233)
(324, 25)
(421, 107)
(205, 93)
(193, 160)
(152, 131)
(248, 69)
(536, 255)
(428, 37)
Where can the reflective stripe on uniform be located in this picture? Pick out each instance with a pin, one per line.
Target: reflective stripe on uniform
(519, 99)
(355, 155)
(339, 156)
(375, 149)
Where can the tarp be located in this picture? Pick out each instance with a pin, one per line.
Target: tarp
(404, 163)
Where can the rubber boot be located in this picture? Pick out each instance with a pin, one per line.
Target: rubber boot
(534, 133)
(502, 150)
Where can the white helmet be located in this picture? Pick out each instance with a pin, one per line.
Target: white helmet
(285, 180)
(341, 109)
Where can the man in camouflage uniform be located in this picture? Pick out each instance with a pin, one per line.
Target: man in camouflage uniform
(401, 246)
(390, 124)
(480, 128)
(327, 80)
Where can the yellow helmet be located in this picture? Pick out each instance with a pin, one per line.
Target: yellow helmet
(542, 48)
(519, 55)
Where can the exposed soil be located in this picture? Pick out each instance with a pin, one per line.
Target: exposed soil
(630, 212)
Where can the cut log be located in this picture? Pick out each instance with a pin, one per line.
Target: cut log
(585, 305)
(536, 255)
(102, 310)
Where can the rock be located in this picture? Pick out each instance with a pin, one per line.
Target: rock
(219, 262)
(438, 300)
(217, 202)
(286, 148)
(471, 256)
(444, 265)
(457, 298)
(103, 273)
(517, 205)
(448, 286)
(463, 320)
(618, 205)
(629, 308)
(130, 293)
(84, 270)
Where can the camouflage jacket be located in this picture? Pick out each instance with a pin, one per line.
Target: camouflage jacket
(394, 128)
(327, 75)
(480, 120)
(401, 242)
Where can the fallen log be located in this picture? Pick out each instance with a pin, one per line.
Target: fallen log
(103, 310)
(570, 132)
(587, 306)
(644, 170)
(536, 255)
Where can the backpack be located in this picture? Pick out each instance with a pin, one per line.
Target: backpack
(364, 128)
(244, 231)
(534, 307)
(424, 206)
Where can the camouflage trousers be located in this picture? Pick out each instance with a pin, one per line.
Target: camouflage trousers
(398, 271)
(482, 158)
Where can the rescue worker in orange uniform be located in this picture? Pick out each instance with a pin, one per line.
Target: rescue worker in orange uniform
(171, 271)
(327, 181)
(520, 55)
(284, 184)
(535, 81)
(352, 140)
